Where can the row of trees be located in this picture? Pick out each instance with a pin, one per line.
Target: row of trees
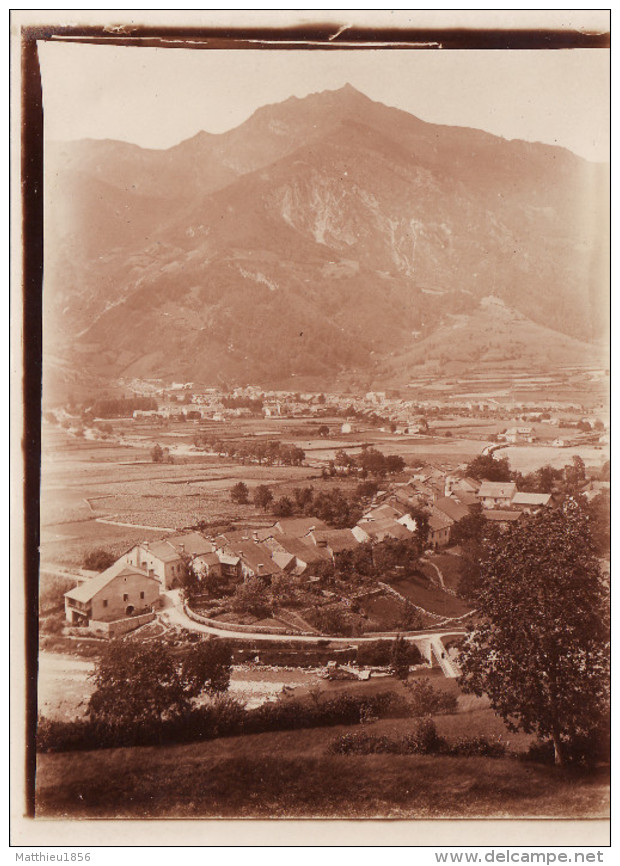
(121, 407)
(332, 506)
(260, 451)
(547, 479)
(370, 461)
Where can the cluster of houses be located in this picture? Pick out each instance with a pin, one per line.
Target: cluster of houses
(291, 546)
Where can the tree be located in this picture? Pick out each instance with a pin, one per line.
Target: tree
(540, 647)
(190, 581)
(468, 528)
(600, 523)
(161, 455)
(263, 497)
(283, 507)
(399, 658)
(239, 493)
(98, 560)
(323, 430)
(138, 682)
(394, 463)
(303, 498)
(544, 480)
(206, 668)
(575, 473)
(251, 597)
(489, 468)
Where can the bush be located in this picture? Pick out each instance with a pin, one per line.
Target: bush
(362, 744)
(425, 740)
(53, 624)
(469, 747)
(426, 700)
(374, 653)
(98, 560)
(222, 716)
(585, 750)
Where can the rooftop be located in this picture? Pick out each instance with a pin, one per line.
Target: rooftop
(497, 489)
(89, 589)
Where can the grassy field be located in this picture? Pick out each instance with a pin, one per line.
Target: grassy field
(290, 774)
(422, 592)
(450, 567)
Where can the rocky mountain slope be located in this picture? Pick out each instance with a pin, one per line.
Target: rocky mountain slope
(318, 240)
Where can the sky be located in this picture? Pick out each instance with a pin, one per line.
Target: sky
(156, 97)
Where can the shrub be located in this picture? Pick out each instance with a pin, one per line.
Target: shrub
(426, 700)
(376, 652)
(98, 560)
(585, 750)
(222, 716)
(483, 747)
(425, 740)
(362, 744)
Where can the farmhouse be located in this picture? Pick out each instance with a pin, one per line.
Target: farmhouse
(118, 592)
(305, 551)
(207, 564)
(159, 559)
(451, 508)
(379, 530)
(519, 434)
(165, 559)
(334, 540)
(530, 503)
(503, 518)
(299, 526)
(496, 494)
(255, 560)
(439, 529)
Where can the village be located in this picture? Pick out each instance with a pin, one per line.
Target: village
(321, 539)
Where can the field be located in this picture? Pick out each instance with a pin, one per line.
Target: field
(422, 592)
(85, 482)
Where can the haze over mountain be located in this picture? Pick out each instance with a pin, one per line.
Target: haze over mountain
(326, 239)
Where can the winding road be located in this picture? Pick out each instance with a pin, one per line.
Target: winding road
(429, 643)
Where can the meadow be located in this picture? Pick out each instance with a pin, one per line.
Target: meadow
(289, 774)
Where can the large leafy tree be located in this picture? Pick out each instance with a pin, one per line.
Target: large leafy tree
(490, 468)
(139, 682)
(263, 497)
(540, 647)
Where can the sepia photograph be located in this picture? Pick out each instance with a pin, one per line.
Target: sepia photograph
(323, 529)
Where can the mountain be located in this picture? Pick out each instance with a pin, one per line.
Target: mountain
(320, 239)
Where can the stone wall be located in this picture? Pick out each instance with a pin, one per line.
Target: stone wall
(119, 626)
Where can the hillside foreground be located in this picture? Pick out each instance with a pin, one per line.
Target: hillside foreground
(290, 774)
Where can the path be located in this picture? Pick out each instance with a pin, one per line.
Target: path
(447, 665)
(134, 525)
(438, 570)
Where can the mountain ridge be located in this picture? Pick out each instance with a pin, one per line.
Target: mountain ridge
(304, 219)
